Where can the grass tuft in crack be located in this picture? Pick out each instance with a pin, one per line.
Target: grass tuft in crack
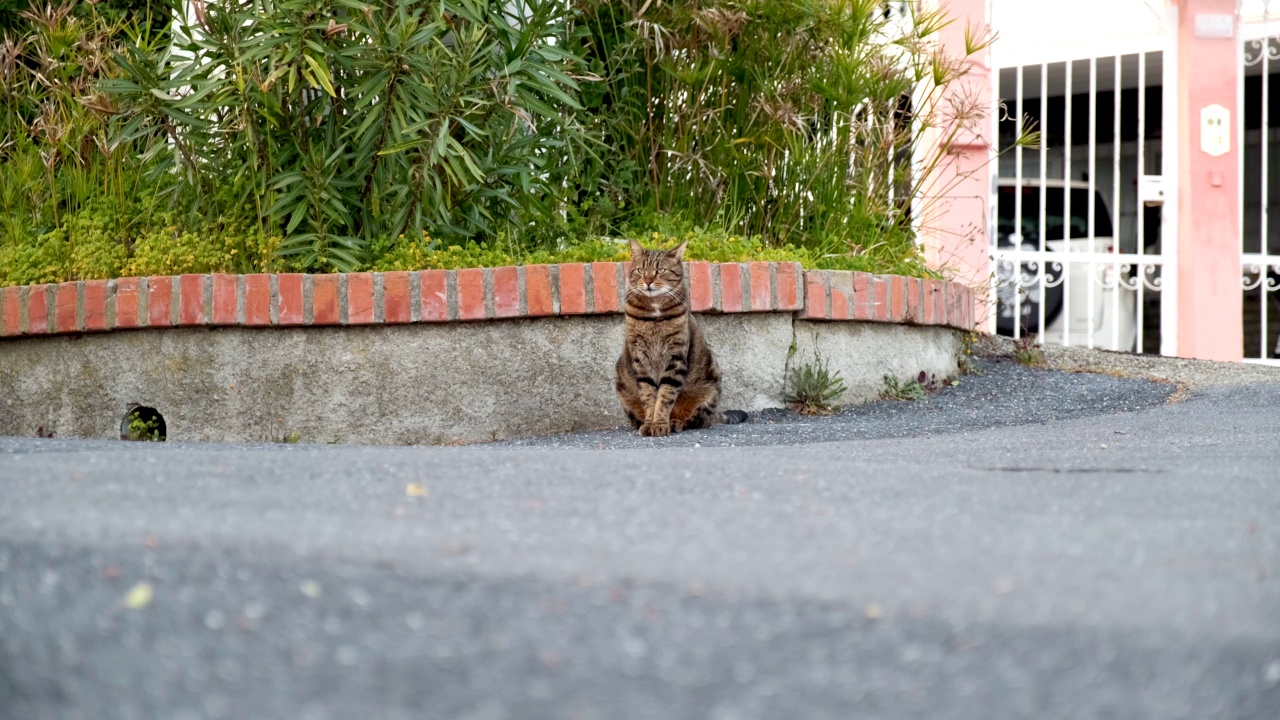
(1027, 351)
(965, 362)
(895, 389)
(813, 388)
(917, 389)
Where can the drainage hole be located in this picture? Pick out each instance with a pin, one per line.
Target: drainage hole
(142, 423)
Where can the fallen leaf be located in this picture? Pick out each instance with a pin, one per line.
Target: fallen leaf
(415, 490)
(310, 588)
(140, 596)
(873, 611)
(151, 541)
(111, 572)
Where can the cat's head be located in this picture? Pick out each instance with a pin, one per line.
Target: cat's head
(656, 272)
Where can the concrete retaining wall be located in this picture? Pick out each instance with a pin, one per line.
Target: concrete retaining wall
(408, 376)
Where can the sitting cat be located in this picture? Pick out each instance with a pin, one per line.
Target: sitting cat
(668, 380)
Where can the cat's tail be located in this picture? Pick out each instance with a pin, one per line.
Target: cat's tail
(733, 417)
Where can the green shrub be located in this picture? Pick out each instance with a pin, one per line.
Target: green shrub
(43, 260)
(344, 123)
(713, 245)
(97, 256)
(400, 254)
(323, 135)
(106, 241)
(166, 251)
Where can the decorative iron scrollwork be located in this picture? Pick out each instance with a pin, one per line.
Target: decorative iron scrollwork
(1256, 50)
(1150, 279)
(1256, 276)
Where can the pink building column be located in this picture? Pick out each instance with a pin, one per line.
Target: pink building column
(1209, 297)
(957, 203)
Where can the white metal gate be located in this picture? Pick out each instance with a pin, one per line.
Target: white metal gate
(1259, 129)
(1077, 248)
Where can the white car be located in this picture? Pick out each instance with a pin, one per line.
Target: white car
(1110, 321)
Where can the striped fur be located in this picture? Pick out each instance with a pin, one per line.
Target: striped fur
(667, 378)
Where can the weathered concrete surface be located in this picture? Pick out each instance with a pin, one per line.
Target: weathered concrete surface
(418, 384)
(752, 352)
(864, 353)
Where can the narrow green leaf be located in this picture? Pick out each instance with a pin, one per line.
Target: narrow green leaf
(321, 74)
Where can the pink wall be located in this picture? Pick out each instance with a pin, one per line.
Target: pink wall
(1208, 244)
(954, 227)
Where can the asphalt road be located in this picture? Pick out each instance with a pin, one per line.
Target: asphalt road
(1122, 562)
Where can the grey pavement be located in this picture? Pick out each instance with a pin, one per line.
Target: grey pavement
(1030, 544)
(1003, 394)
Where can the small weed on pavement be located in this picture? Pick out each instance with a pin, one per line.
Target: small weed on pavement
(1029, 352)
(895, 389)
(813, 388)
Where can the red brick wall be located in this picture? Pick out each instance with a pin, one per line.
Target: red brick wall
(435, 296)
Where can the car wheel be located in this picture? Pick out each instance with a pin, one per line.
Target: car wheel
(1029, 285)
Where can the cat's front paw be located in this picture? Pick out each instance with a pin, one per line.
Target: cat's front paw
(677, 426)
(651, 429)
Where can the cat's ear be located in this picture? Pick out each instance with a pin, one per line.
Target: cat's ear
(637, 250)
(678, 253)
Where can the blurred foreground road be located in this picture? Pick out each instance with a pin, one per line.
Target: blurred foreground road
(1122, 566)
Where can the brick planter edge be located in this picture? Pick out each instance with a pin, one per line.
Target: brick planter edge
(468, 295)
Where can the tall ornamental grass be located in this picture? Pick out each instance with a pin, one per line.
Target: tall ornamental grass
(799, 121)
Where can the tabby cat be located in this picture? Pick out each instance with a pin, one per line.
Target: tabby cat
(668, 380)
